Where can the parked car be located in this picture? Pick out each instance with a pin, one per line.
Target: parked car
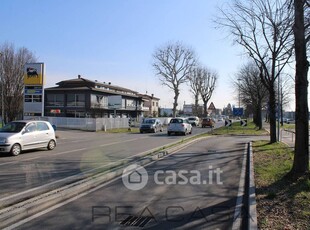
(194, 121)
(17, 136)
(151, 125)
(207, 122)
(179, 125)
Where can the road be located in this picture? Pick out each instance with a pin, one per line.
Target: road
(77, 152)
(166, 203)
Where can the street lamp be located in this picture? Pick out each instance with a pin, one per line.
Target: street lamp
(239, 79)
(2, 93)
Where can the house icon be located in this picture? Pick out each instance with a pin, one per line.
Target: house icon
(135, 177)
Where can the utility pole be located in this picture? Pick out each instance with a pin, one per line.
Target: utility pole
(2, 90)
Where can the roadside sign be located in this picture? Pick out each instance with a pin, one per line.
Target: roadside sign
(238, 111)
(244, 122)
(228, 123)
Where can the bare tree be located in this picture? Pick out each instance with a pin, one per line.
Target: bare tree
(252, 91)
(264, 29)
(301, 34)
(173, 64)
(208, 81)
(195, 86)
(12, 78)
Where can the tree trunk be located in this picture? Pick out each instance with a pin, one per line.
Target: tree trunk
(205, 109)
(196, 104)
(301, 157)
(272, 115)
(259, 118)
(175, 103)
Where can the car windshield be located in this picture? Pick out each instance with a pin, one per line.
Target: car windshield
(149, 122)
(176, 121)
(13, 127)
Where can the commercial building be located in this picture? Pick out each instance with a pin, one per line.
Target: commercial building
(82, 97)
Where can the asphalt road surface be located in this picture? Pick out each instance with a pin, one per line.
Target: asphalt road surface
(77, 152)
(179, 200)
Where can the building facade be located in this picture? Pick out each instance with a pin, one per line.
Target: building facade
(81, 97)
(152, 105)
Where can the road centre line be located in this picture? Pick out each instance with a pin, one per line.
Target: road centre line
(56, 154)
(118, 142)
(15, 162)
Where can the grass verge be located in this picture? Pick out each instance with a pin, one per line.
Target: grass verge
(281, 202)
(237, 129)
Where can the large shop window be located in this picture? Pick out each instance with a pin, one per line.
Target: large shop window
(55, 100)
(76, 100)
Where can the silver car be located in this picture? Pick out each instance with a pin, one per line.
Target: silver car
(151, 125)
(17, 136)
(179, 125)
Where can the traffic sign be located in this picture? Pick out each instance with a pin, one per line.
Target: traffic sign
(244, 122)
(228, 123)
(237, 111)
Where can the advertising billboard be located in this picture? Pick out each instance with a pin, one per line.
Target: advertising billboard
(34, 74)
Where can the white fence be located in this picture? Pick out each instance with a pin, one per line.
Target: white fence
(90, 124)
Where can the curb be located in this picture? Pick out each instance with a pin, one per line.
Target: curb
(31, 206)
(251, 198)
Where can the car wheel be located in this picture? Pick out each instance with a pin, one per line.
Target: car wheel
(16, 149)
(141, 131)
(51, 145)
(169, 133)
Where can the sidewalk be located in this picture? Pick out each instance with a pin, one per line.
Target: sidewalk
(286, 136)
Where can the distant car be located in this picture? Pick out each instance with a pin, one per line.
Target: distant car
(220, 119)
(179, 125)
(151, 125)
(207, 122)
(17, 136)
(194, 121)
(290, 121)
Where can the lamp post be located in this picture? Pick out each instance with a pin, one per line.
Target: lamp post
(2, 93)
(239, 79)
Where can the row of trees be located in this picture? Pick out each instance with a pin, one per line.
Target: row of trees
(175, 64)
(272, 32)
(12, 62)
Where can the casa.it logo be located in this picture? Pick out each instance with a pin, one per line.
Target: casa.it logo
(135, 177)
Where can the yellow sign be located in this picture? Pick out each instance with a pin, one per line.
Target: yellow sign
(33, 74)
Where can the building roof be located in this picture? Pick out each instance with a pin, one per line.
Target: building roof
(149, 97)
(86, 84)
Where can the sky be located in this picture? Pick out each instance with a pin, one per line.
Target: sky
(114, 40)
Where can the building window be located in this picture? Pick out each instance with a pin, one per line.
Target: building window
(33, 98)
(130, 103)
(76, 100)
(98, 101)
(157, 104)
(55, 100)
(153, 103)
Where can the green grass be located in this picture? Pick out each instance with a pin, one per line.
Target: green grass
(288, 126)
(281, 201)
(237, 129)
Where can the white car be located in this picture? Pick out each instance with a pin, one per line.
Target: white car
(179, 125)
(17, 136)
(194, 121)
